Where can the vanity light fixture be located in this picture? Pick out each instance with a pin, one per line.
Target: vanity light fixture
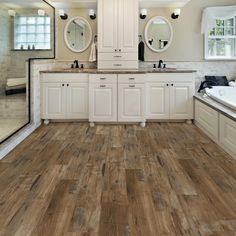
(62, 14)
(11, 13)
(176, 14)
(41, 12)
(92, 14)
(143, 14)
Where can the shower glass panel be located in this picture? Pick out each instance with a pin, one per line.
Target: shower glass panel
(27, 32)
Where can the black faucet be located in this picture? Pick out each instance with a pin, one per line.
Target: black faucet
(206, 84)
(160, 64)
(76, 63)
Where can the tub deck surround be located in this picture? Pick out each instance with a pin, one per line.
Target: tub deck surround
(217, 121)
(216, 105)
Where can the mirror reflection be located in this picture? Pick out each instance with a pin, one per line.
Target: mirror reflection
(27, 30)
(158, 34)
(78, 34)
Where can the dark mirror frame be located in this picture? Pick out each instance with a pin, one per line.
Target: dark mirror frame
(29, 74)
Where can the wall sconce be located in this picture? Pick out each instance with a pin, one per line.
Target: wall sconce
(92, 14)
(176, 14)
(11, 13)
(41, 12)
(143, 14)
(62, 14)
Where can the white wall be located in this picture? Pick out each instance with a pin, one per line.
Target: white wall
(187, 42)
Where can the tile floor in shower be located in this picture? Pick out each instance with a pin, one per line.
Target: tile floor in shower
(13, 114)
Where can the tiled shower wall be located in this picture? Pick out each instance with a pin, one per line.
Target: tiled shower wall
(12, 63)
(4, 46)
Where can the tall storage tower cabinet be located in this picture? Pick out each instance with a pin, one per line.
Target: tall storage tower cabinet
(118, 34)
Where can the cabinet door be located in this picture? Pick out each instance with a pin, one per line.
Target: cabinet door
(77, 101)
(158, 101)
(107, 25)
(131, 103)
(181, 101)
(228, 134)
(53, 101)
(103, 102)
(128, 26)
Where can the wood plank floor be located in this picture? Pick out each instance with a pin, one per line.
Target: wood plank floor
(165, 179)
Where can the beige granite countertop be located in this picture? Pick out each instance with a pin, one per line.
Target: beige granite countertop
(216, 105)
(96, 71)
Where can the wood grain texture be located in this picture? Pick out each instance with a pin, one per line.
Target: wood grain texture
(165, 179)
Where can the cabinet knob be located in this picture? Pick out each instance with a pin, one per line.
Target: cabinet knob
(167, 85)
(119, 50)
(115, 50)
(63, 85)
(67, 85)
(172, 84)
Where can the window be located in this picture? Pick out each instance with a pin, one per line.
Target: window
(221, 40)
(32, 32)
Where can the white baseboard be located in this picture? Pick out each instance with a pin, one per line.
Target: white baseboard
(17, 139)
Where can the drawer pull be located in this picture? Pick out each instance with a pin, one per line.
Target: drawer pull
(117, 65)
(131, 78)
(132, 86)
(102, 78)
(102, 86)
(117, 56)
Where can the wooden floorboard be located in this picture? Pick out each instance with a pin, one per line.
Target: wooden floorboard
(166, 179)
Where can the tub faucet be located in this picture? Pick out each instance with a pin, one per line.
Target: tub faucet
(160, 64)
(76, 63)
(206, 84)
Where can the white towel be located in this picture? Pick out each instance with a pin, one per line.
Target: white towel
(93, 53)
(232, 84)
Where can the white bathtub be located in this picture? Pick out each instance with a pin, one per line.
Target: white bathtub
(223, 94)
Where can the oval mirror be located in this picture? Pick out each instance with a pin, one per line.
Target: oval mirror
(158, 34)
(78, 34)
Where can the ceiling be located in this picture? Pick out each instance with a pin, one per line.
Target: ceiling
(93, 3)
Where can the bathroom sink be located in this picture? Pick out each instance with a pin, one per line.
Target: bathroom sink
(164, 70)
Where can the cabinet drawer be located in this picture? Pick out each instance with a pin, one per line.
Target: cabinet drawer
(64, 77)
(132, 78)
(167, 77)
(117, 65)
(118, 56)
(228, 133)
(103, 78)
(208, 118)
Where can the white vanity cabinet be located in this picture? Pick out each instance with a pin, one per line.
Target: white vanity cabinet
(118, 34)
(181, 100)
(102, 98)
(158, 95)
(53, 97)
(131, 98)
(64, 96)
(117, 98)
(170, 96)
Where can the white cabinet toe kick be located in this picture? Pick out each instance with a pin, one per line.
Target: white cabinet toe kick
(219, 127)
(117, 98)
